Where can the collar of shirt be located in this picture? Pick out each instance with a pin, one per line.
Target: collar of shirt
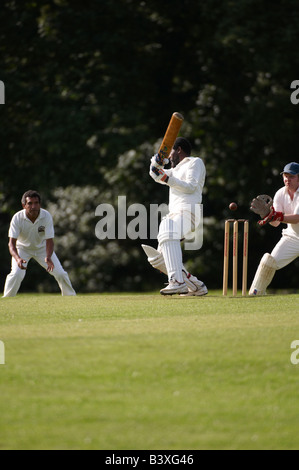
(185, 160)
(40, 216)
(287, 191)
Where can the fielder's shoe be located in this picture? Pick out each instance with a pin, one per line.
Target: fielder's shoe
(175, 287)
(198, 289)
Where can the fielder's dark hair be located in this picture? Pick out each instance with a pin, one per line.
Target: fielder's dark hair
(184, 144)
(30, 193)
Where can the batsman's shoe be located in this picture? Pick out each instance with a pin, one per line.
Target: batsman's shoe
(201, 289)
(175, 287)
(195, 286)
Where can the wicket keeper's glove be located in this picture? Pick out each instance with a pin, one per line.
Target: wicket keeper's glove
(272, 217)
(159, 175)
(262, 205)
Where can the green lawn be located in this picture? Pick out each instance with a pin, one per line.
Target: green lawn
(138, 372)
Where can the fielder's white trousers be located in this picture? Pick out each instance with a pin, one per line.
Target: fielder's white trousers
(17, 275)
(286, 251)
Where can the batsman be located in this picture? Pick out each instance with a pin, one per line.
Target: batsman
(185, 180)
(283, 209)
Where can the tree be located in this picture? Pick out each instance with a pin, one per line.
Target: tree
(87, 86)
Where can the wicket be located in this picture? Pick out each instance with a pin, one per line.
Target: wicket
(235, 223)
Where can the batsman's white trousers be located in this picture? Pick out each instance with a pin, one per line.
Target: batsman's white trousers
(286, 251)
(173, 228)
(16, 276)
(185, 223)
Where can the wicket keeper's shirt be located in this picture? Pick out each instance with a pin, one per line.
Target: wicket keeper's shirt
(31, 236)
(283, 203)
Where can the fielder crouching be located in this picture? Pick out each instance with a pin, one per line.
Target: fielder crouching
(285, 209)
(186, 180)
(31, 235)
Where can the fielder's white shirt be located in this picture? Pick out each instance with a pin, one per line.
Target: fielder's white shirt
(31, 236)
(283, 203)
(186, 182)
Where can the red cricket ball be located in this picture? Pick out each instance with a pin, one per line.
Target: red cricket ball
(233, 206)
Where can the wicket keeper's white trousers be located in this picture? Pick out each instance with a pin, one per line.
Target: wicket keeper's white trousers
(15, 278)
(286, 251)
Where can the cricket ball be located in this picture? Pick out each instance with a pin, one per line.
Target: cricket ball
(233, 206)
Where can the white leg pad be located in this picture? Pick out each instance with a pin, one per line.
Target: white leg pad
(155, 258)
(170, 245)
(169, 230)
(264, 275)
(173, 258)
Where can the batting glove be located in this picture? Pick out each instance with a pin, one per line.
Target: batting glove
(159, 175)
(272, 217)
(158, 161)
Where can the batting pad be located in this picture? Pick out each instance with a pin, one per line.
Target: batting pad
(168, 231)
(264, 275)
(155, 258)
(173, 258)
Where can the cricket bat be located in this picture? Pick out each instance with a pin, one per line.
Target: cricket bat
(170, 136)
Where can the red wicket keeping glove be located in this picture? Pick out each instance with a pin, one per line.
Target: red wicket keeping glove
(159, 175)
(272, 217)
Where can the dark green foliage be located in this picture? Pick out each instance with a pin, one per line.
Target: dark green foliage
(87, 84)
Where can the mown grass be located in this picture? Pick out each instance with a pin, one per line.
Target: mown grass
(145, 372)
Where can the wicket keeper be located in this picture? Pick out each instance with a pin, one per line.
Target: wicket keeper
(186, 180)
(31, 235)
(285, 209)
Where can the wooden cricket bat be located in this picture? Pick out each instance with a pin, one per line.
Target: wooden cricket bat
(171, 134)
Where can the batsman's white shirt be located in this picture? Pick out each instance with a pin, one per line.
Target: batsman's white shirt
(283, 203)
(186, 183)
(31, 236)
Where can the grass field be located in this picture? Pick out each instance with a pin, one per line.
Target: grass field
(120, 372)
